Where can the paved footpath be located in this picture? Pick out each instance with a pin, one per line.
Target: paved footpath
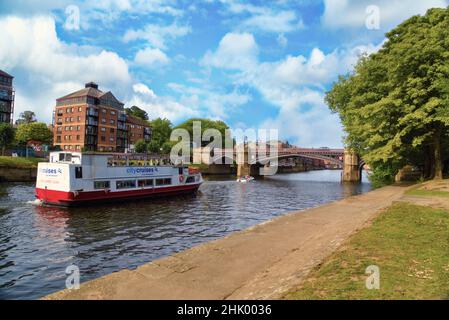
(261, 262)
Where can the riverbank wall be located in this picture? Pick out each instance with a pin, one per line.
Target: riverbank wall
(262, 262)
(9, 174)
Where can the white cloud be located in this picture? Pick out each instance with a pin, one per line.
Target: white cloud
(268, 18)
(47, 68)
(235, 51)
(294, 84)
(151, 58)
(211, 101)
(164, 107)
(284, 21)
(352, 13)
(156, 35)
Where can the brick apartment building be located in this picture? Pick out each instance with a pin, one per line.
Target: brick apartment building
(6, 97)
(93, 120)
(138, 129)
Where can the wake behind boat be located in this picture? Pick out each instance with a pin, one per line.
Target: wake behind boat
(77, 179)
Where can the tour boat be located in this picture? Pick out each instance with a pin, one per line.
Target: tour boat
(245, 179)
(72, 178)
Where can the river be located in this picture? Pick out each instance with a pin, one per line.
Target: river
(38, 243)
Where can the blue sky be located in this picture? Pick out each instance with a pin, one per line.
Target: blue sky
(252, 64)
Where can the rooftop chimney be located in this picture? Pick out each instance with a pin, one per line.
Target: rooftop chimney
(92, 85)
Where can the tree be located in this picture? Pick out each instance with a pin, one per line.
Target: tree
(395, 105)
(35, 131)
(141, 146)
(26, 117)
(135, 111)
(205, 124)
(162, 129)
(6, 136)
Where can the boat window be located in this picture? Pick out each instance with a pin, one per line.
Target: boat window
(190, 179)
(163, 182)
(78, 172)
(145, 183)
(181, 170)
(126, 184)
(65, 157)
(102, 185)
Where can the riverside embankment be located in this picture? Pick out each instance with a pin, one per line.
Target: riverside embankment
(262, 262)
(15, 169)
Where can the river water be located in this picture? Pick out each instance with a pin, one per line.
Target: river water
(37, 243)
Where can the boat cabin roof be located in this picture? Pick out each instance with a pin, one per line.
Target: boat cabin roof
(109, 159)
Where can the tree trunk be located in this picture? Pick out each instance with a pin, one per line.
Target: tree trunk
(438, 155)
(427, 171)
(3, 150)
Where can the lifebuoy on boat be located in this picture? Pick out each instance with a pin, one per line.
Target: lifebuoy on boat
(181, 178)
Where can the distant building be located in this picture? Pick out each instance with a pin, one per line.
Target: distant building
(138, 129)
(6, 97)
(91, 120)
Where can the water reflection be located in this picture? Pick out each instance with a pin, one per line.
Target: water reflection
(38, 243)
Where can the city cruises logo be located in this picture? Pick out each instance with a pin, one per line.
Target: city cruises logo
(51, 171)
(141, 170)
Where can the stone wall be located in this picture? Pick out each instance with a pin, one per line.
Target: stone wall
(8, 174)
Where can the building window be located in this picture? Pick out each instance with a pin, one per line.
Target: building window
(112, 130)
(103, 110)
(103, 129)
(102, 185)
(126, 184)
(78, 147)
(80, 109)
(79, 118)
(67, 110)
(103, 138)
(145, 183)
(103, 120)
(78, 137)
(113, 113)
(78, 128)
(112, 121)
(111, 139)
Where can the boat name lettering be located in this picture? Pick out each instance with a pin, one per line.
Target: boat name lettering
(141, 170)
(51, 172)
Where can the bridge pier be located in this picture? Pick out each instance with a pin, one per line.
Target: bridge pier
(352, 172)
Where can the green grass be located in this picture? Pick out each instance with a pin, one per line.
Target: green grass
(19, 162)
(428, 193)
(410, 245)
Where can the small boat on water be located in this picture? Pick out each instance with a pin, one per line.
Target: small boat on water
(72, 178)
(245, 179)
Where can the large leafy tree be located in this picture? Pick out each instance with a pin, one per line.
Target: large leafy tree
(26, 117)
(160, 135)
(137, 112)
(395, 105)
(205, 124)
(36, 131)
(6, 136)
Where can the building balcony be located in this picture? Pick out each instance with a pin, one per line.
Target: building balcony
(92, 113)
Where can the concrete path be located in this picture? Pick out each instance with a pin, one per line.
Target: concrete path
(262, 262)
